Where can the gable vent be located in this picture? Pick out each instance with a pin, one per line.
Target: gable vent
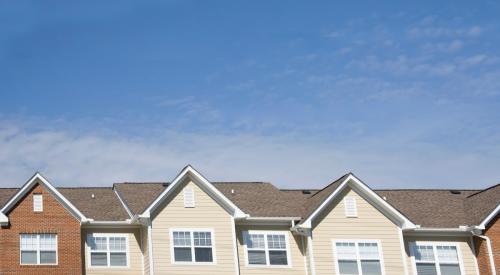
(37, 203)
(350, 207)
(188, 197)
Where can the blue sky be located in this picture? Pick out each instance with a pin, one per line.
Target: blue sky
(402, 94)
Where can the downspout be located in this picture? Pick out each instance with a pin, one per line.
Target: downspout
(306, 266)
(310, 252)
(150, 248)
(490, 253)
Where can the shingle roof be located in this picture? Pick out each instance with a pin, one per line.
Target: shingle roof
(428, 208)
(138, 196)
(105, 206)
(482, 203)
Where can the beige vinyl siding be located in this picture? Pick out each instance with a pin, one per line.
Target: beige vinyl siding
(135, 253)
(207, 213)
(295, 245)
(465, 247)
(370, 224)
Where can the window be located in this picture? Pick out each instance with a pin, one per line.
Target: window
(358, 257)
(38, 249)
(192, 246)
(351, 210)
(267, 248)
(188, 197)
(108, 250)
(37, 203)
(436, 258)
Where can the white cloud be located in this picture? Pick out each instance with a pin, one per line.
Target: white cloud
(396, 159)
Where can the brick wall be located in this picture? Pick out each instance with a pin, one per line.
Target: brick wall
(483, 260)
(54, 219)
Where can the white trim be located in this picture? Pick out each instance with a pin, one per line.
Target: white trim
(306, 266)
(311, 253)
(434, 244)
(150, 249)
(350, 200)
(358, 256)
(35, 197)
(235, 248)
(189, 171)
(193, 260)
(357, 184)
(141, 235)
(29, 184)
(38, 250)
(131, 215)
(490, 217)
(403, 251)
(108, 250)
(267, 249)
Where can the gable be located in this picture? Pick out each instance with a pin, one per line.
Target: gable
(365, 214)
(368, 194)
(191, 175)
(38, 181)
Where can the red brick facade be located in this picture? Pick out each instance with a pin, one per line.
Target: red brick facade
(54, 219)
(483, 259)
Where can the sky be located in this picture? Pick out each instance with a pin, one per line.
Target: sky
(404, 94)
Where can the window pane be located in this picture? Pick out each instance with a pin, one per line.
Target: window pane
(182, 254)
(97, 243)
(368, 250)
(182, 238)
(450, 269)
(255, 241)
(276, 242)
(117, 244)
(371, 267)
(256, 257)
(28, 257)
(202, 238)
(48, 257)
(447, 253)
(423, 253)
(346, 251)
(277, 258)
(426, 269)
(28, 242)
(98, 259)
(203, 254)
(118, 259)
(48, 242)
(348, 267)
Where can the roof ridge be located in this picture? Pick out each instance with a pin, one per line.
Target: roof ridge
(333, 182)
(425, 189)
(484, 190)
(242, 182)
(142, 182)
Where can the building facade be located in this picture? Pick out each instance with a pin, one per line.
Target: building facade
(194, 226)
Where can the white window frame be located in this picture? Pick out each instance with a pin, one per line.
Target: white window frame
(266, 249)
(187, 203)
(193, 258)
(436, 258)
(38, 249)
(37, 195)
(107, 251)
(358, 257)
(347, 214)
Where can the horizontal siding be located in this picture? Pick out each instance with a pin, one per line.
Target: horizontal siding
(207, 214)
(370, 224)
(295, 243)
(135, 253)
(464, 243)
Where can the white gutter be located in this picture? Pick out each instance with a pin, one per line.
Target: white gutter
(273, 218)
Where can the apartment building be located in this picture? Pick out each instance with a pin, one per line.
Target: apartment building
(193, 226)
